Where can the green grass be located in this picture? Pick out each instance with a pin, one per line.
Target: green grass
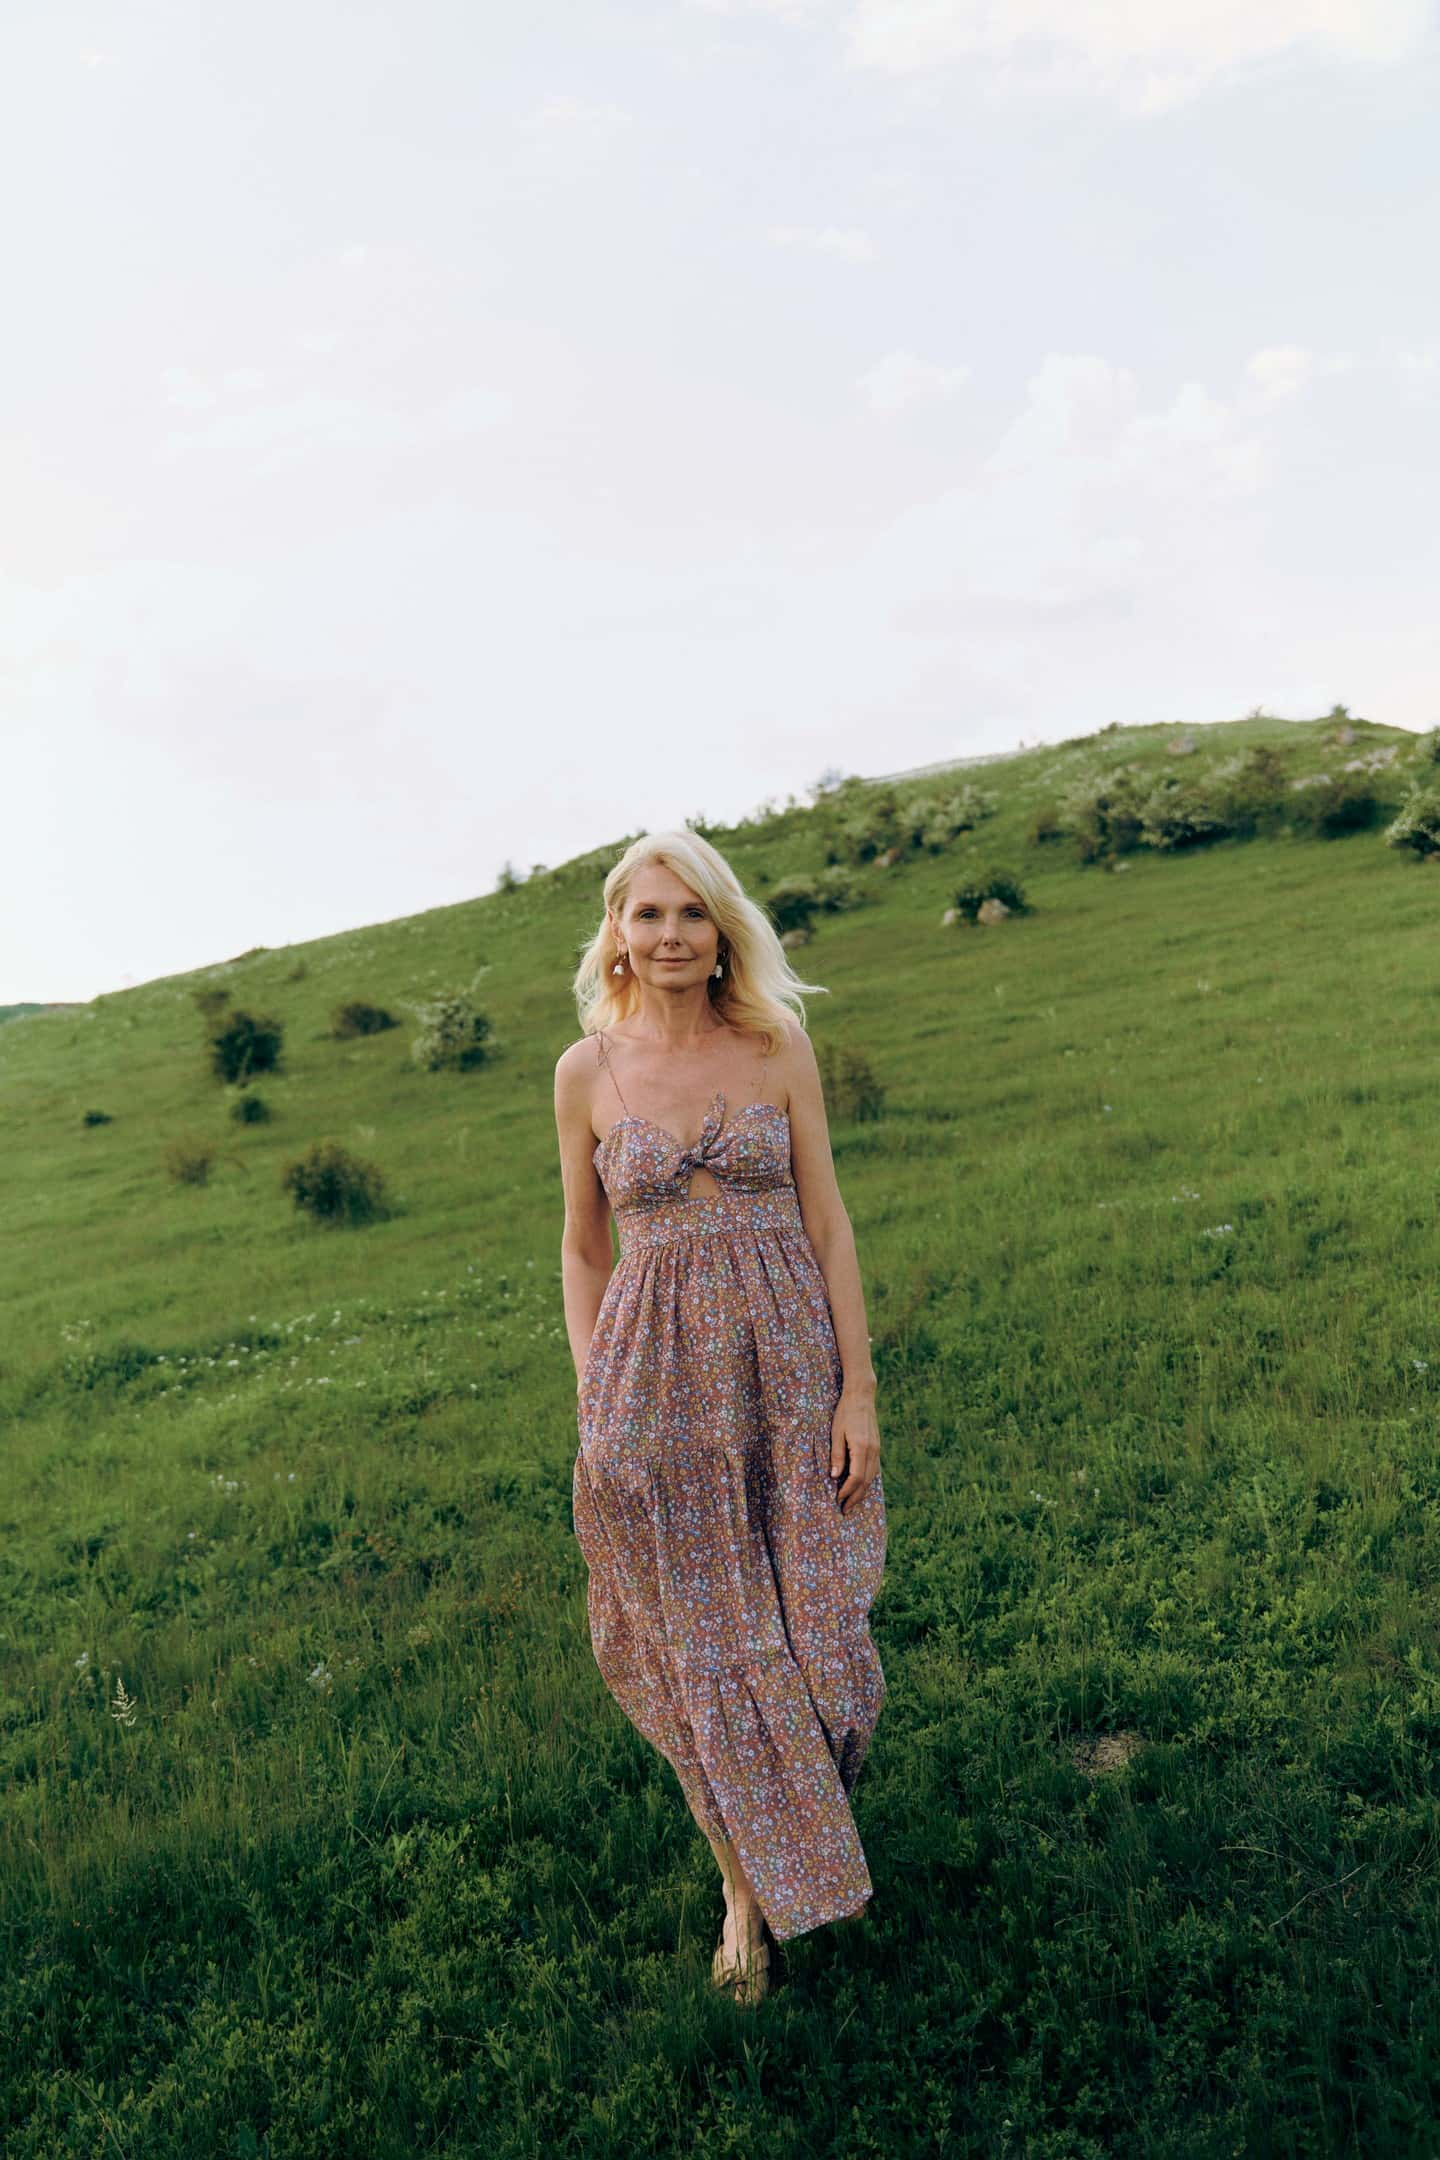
(1150, 1241)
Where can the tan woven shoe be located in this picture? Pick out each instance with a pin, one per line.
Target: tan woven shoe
(745, 1979)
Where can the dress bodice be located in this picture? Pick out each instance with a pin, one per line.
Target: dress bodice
(643, 1166)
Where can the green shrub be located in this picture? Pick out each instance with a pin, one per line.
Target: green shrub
(1345, 804)
(356, 1017)
(1418, 825)
(453, 1035)
(1104, 812)
(241, 1045)
(793, 902)
(1178, 813)
(861, 821)
(97, 1117)
(1430, 747)
(995, 884)
(837, 889)
(1249, 791)
(850, 1086)
(334, 1187)
(250, 1110)
(189, 1159)
(1046, 824)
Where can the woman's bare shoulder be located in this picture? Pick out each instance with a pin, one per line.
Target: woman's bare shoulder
(578, 1058)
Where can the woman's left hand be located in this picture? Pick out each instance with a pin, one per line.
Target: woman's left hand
(854, 1434)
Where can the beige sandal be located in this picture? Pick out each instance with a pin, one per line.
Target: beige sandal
(746, 1979)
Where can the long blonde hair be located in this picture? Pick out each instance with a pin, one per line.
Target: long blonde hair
(759, 991)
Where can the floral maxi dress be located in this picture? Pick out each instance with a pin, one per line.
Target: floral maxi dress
(728, 1596)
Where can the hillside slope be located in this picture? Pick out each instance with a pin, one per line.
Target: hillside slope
(1150, 1236)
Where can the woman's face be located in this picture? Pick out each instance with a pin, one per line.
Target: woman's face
(667, 930)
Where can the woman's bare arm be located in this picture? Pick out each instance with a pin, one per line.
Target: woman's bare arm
(823, 1212)
(586, 1256)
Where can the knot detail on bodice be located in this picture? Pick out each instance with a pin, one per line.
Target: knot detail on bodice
(694, 1155)
(644, 1165)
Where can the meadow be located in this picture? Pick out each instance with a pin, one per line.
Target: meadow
(319, 1833)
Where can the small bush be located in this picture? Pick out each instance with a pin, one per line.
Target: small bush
(242, 1045)
(850, 1086)
(97, 1117)
(1046, 825)
(1104, 812)
(861, 822)
(1418, 825)
(995, 884)
(793, 903)
(356, 1017)
(334, 1187)
(1179, 814)
(838, 890)
(189, 1159)
(1346, 804)
(1249, 791)
(1430, 747)
(453, 1035)
(250, 1110)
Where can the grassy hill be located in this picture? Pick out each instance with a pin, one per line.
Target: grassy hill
(371, 1862)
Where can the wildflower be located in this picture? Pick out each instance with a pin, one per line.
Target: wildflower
(321, 1677)
(82, 1661)
(123, 1707)
(1218, 1229)
(1419, 1364)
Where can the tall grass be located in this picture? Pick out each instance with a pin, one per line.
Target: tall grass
(320, 1834)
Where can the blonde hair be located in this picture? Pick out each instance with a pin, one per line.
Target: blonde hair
(759, 990)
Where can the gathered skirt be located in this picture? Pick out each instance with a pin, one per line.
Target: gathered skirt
(728, 1596)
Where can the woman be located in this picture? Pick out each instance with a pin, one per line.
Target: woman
(727, 1490)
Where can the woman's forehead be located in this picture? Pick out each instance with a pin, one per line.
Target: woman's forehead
(656, 884)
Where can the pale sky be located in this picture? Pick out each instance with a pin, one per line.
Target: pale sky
(438, 433)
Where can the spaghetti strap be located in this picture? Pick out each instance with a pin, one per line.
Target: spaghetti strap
(605, 1061)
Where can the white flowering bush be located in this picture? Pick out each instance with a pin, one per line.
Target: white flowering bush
(453, 1034)
(1418, 825)
(1179, 814)
(1103, 810)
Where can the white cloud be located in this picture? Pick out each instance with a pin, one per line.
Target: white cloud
(1092, 510)
(826, 240)
(901, 377)
(1282, 371)
(1150, 56)
(1085, 412)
